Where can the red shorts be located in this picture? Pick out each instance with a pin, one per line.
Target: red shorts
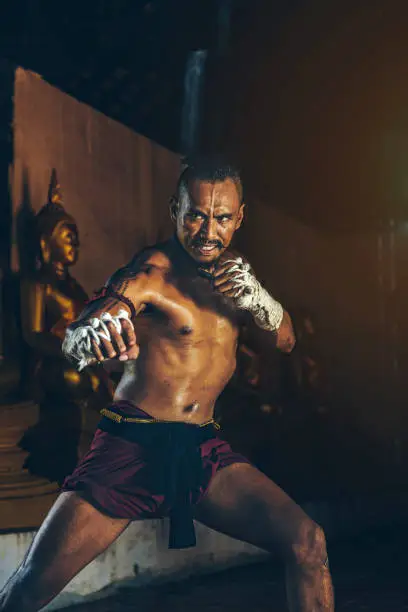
(130, 479)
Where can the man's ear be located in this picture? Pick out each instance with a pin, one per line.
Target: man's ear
(174, 207)
(240, 215)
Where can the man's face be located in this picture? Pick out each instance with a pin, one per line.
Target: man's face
(206, 217)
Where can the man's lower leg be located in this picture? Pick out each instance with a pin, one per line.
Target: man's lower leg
(309, 590)
(22, 594)
(308, 580)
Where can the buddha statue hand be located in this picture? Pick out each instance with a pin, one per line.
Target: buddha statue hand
(80, 338)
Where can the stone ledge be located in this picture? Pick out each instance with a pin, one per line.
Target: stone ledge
(138, 557)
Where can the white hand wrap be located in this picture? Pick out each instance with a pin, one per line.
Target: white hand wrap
(78, 342)
(267, 312)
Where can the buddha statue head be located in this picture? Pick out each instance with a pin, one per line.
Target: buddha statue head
(57, 231)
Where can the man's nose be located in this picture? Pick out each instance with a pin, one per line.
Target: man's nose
(210, 229)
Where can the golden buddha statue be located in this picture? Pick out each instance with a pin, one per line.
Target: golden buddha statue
(51, 300)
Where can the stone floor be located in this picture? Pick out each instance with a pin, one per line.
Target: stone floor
(370, 573)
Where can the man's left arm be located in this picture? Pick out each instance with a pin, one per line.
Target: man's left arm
(235, 279)
(262, 340)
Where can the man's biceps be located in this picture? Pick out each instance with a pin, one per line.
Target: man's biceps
(148, 279)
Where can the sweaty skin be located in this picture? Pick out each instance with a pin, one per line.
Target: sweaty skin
(187, 356)
(186, 329)
(187, 338)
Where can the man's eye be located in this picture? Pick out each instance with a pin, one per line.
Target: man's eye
(223, 219)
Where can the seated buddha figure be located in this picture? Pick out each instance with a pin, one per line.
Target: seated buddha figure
(51, 299)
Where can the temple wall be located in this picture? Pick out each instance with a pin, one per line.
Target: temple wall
(115, 183)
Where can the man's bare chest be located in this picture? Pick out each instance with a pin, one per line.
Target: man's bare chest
(190, 312)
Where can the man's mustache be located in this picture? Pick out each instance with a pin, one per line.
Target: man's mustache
(207, 243)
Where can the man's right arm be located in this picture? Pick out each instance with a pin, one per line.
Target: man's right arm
(104, 329)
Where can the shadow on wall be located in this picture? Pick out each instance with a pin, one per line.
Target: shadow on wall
(10, 347)
(13, 351)
(25, 229)
(24, 224)
(279, 410)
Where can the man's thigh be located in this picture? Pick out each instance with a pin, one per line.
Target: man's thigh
(244, 504)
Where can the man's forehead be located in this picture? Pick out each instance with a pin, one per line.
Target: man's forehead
(218, 194)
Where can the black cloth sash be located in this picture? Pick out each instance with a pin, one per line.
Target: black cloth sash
(174, 449)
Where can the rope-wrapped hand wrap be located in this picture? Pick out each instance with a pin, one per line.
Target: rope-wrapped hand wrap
(251, 296)
(77, 344)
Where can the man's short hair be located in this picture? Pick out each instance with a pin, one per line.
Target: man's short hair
(209, 168)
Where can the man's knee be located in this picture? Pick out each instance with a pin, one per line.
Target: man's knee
(308, 549)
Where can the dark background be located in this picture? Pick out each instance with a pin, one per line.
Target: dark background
(294, 89)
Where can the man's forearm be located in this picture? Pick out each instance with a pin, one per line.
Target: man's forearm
(269, 315)
(262, 341)
(105, 300)
(285, 335)
(266, 312)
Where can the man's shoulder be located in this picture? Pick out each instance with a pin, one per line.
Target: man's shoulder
(156, 256)
(152, 258)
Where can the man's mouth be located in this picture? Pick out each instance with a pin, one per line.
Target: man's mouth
(205, 249)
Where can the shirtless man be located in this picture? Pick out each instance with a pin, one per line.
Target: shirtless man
(173, 317)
